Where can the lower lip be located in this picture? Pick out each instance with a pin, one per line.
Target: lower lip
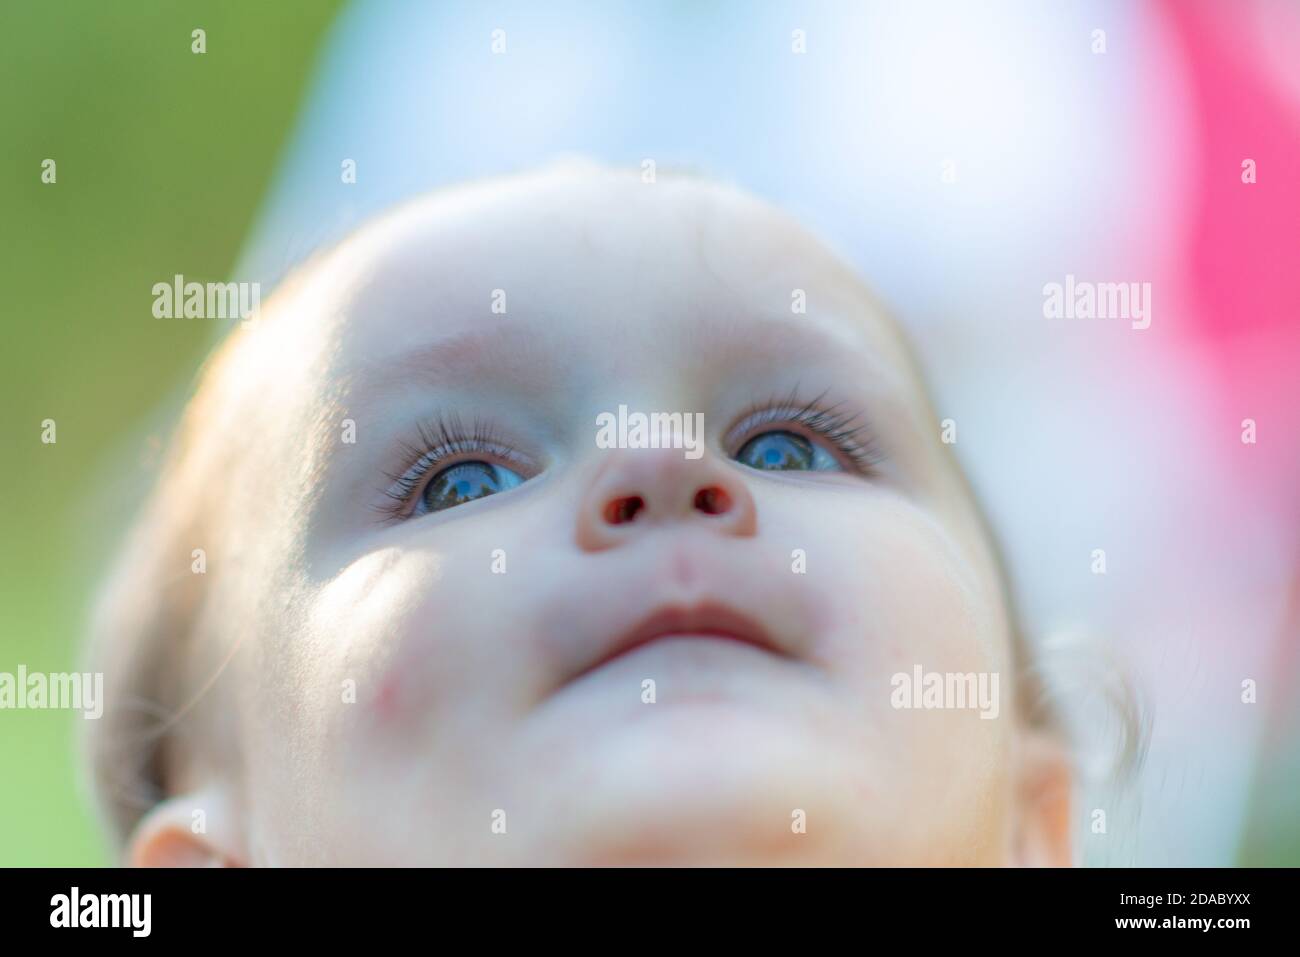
(686, 642)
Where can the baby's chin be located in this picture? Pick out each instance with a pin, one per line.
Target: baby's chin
(721, 778)
(711, 785)
(751, 792)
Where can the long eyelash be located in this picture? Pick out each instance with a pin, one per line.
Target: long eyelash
(843, 428)
(438, 440)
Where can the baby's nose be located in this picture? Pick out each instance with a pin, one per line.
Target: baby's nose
(635, 489)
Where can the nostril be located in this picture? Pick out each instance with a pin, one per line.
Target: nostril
(712, 500)
(622, 510)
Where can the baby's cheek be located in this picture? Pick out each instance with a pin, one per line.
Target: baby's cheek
(909, 607)
(417, 648)
(318, 676)
(397, 638)
(357, 625)
(378, 671)
(906, 595)
(362, 679)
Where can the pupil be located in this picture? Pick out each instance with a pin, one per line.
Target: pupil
(777, 451)
(461, 483)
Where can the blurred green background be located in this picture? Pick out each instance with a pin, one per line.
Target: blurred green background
(162, 158)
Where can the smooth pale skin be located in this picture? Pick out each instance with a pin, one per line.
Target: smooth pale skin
(673, 297)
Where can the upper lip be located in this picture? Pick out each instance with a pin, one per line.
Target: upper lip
(710, 618)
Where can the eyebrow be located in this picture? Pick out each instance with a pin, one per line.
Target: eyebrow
(458, 358)
(531, 363)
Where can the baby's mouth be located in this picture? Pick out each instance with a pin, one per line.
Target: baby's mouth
(691, 599)
(704, 620)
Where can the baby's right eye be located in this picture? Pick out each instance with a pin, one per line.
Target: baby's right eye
(465, 482)
(453, 466)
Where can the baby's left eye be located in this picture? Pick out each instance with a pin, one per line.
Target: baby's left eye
(781, 451)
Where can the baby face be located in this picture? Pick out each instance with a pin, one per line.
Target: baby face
(479, 634)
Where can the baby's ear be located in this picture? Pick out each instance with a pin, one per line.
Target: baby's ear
(1043, 827)
(190, 830)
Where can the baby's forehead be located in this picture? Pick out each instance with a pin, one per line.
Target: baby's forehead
(574, 260)
(560, 292)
